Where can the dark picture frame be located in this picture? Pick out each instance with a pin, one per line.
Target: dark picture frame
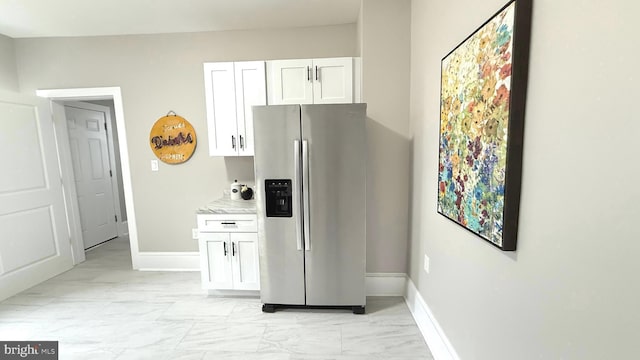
(482, 109)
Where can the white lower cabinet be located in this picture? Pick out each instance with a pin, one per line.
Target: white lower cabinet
(228, 260)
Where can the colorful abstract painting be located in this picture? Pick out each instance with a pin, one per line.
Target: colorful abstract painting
(481, 130)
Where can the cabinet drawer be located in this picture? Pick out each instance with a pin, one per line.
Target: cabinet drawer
(228, 223)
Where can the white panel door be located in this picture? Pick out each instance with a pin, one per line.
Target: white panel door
(221, 109)
(250, 90)
(291, 82)
(333, 81)
(216, 247)
(246, 269)
(92, 173)
(34, 238)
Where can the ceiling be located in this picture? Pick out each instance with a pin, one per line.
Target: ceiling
(55, 18)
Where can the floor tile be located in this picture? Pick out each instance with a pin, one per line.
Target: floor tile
(217, 355)
(70, 309)
(19, 330)
(223, 337)
(70, 290)
(383, 340)
(77, 274)
(356, 357)
(149, 334)
(325, 340)
(250, 311)
(24, 299)
(136, 310)
(16, 312)
(84, 352)
(317, 317)
(101, 309)
(150, 354)
(85, 332)
(205, 309)
(389, 311)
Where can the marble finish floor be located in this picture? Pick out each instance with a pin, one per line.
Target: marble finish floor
(101, 309)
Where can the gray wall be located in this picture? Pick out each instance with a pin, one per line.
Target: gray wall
(158, 73)
(571, 291)
(385, 47)
(8, 71)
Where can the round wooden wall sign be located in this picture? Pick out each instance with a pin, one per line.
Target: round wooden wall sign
(172, 139)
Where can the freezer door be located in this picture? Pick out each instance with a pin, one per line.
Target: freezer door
(334, 171)
(277, 150)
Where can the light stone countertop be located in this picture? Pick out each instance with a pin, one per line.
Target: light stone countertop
(225, 205)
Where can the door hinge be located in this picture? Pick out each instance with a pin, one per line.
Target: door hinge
(116, 216)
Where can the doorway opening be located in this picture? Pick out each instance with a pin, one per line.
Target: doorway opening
(93, 141)
(65, 104)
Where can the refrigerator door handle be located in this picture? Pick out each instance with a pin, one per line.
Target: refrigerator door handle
(305, 194)
(296, 193)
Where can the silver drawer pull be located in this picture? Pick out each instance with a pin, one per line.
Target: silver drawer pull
(228, 223)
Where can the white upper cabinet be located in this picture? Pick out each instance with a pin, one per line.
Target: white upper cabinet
(333, 81)
(250, 90)
(231, 90)
(290, 82)
(311, 81)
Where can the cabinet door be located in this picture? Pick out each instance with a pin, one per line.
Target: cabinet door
(250, 90)
(333, 81)
(244, 251)
(290, 82)
(215, 260)
(221, 109)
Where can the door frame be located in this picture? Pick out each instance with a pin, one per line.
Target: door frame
(64, 150)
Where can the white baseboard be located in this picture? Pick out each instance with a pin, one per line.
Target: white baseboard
(438, 343)
(386, 284)
(235, 293)
(123, 228)
(169, 261)
(377, 284)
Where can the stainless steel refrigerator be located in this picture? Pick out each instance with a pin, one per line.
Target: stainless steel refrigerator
(310, 167)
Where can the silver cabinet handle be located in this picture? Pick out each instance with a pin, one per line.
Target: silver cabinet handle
(233, 142)
(224, 245)
(233, 249)
(316, 72)
(241, 142)
(296, 192)
(305, 194)
(308, 73)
